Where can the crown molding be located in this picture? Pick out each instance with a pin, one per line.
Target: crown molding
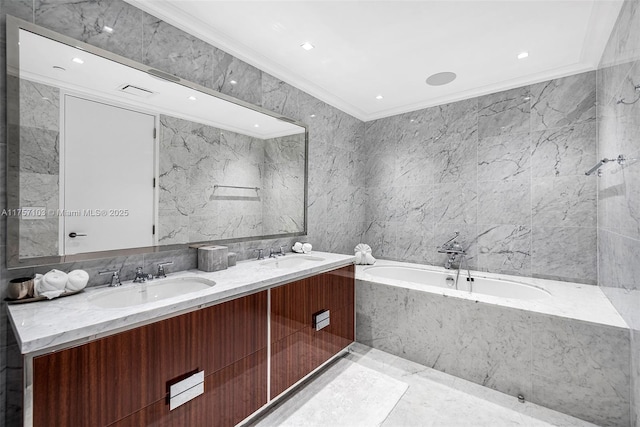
(602, 19)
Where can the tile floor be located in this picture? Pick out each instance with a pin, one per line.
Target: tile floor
(432, 398)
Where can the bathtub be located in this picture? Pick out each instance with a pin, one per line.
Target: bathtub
(446, 279)
(560, 345)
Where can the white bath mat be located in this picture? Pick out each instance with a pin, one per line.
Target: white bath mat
(346, 394)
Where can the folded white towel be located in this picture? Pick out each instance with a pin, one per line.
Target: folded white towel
(78, 279)
(297, 247)
(306, 248)
(55, 280)
(363, 254)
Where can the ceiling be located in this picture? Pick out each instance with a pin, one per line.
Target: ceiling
(363, 49)
(53, 63)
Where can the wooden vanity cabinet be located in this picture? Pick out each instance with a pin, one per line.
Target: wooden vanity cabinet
(107, 380)
(123, 379)
(296, 347)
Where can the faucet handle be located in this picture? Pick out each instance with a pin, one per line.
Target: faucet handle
(161, 272)
(115, 276)
(282, 251)
(260, 253)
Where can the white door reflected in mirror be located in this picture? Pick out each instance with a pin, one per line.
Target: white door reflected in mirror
(108, 177)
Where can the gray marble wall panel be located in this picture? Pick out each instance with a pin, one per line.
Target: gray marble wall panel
(497, 167)
(172, 50)
(618, 121)
(575, 367)
(193, 159)
(619, 187)
(141, 37)
(39, 167)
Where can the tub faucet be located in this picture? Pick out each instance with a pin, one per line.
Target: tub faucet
(452, 248)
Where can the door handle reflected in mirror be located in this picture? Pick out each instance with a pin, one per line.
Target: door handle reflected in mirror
(74, 235)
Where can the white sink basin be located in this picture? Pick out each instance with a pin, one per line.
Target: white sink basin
(291, 261)
(135, 294)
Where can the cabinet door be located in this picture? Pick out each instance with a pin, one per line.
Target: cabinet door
(296, 347)
(108, 379)
(230, 395)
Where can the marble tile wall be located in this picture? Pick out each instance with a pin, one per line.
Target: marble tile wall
(336, 178)
(283, 185)
(575, 367)
(506, 170)
(193, 158)
(39, 166)
(619, 187)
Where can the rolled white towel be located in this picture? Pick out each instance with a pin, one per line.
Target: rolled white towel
(78, 279)
(306, 248)
(55, 280)
(37, 284)
(297, 247)
(363, 247)
(363, 254)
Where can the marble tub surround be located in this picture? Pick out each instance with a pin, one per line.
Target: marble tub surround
(433, 398)
(571, 359)
(75, 319)
(574, 301)
(505, 169)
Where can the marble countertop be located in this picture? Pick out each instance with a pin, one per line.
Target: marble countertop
(571, 300)
(73, 320)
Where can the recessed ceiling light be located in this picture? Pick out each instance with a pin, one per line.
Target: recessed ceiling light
(523, 55)
(107, 29)
(440, 79)
(192, 98)
(233, 82)
(379, 97)
(307, 46)
(78, 61)
(312, 116)
(256, 125)
(526, 98)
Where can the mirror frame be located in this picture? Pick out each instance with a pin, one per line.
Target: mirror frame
(13, 149)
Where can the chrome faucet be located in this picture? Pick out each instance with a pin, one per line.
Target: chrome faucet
(260, 253)
(115, 277)
(452, 248)
(161, 273)
(273, 254)
(141, 276)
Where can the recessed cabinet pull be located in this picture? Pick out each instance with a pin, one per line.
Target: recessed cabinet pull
(185, 390)
(321, 320)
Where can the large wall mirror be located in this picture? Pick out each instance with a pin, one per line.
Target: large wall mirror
(109, 157)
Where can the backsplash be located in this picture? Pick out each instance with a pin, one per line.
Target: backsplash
(505, 169)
